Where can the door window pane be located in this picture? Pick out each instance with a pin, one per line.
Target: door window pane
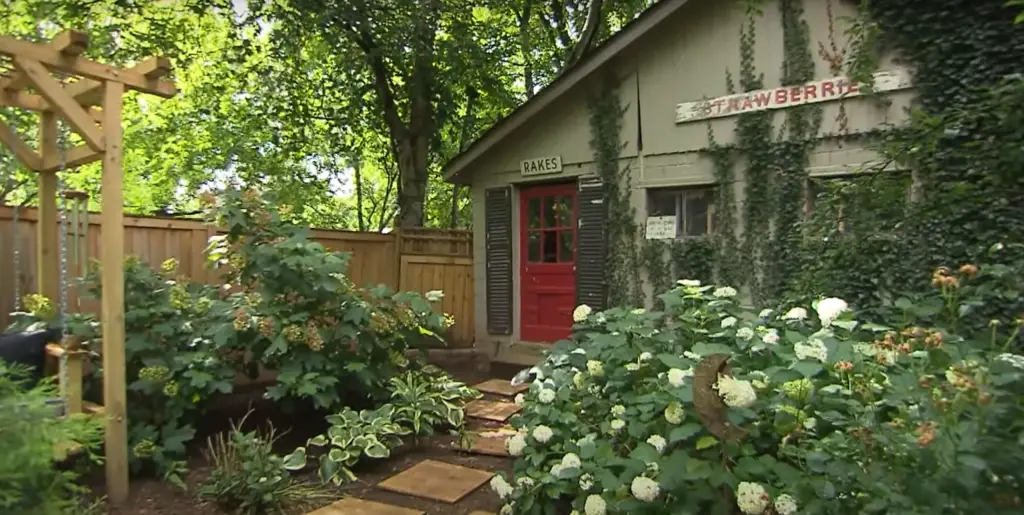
(566, 246)
(533, 213)
(533, 247)
(549, 212)
(563, 211)
(550, 246)
(696, 217)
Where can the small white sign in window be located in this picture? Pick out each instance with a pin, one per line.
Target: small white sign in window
(661, 228)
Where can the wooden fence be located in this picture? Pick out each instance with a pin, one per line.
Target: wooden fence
(411, 260)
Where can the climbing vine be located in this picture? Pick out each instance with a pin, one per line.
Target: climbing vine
(623, 234)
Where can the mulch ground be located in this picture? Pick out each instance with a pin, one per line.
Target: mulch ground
(152, 496)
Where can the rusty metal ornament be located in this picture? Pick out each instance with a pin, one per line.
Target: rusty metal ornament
(710, 409)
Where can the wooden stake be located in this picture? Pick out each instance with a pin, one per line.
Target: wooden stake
(112, 283)
(48, 242)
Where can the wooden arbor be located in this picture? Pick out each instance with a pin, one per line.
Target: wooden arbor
(30, 83)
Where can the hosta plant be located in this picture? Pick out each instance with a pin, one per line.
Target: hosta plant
(430, 399)
(352, 437)
(710, 407)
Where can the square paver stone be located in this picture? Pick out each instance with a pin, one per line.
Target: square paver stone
(437, 480)
(491, 410)
(491, 443)
(353, 506)
(501, 387)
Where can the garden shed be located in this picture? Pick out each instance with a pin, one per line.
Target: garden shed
(619, 150)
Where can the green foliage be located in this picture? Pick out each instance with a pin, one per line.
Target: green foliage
(31, 437)
(836, 414)
(248, 477)
(351, 437)
(429, 399)
(623, 247)
(691, 258)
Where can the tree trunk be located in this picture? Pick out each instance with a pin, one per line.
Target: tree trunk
(357, 166)
(526, 47)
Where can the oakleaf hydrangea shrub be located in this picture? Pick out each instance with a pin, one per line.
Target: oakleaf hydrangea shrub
(814, 411)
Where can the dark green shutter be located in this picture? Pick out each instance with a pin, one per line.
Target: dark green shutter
(592, 216)
(498, 229)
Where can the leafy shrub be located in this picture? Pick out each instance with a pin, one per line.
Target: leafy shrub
(352, 436)
(708, 407)
(248, 477)
(294, 309)
(429, 399)
(30, 434)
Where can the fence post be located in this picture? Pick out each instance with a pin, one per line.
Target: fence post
(398, 253)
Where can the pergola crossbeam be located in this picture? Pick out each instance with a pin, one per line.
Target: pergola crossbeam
(78, 156)
(56, 61)
(64, 103)
(39, 104)
(70, 43)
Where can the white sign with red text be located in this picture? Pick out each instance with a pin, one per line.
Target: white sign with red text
(824, 90)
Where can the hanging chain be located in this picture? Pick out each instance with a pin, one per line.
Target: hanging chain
(63, 268)
(15, 234)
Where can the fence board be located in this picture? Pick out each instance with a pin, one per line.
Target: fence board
(411, 260)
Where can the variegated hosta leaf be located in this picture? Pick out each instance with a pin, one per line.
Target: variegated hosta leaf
(455, 417)
(386, 411)
(318, 441)
(377, 450)
(360, 441)
(341, 441)
(296, 460)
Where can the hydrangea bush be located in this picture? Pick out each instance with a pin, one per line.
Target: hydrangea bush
(712, 407)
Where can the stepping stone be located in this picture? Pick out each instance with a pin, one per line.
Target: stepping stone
(501, 387)
(353, 506)
(491, 443)
(437, 481)
(491, 410)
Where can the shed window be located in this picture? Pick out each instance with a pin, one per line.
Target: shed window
(692, 207)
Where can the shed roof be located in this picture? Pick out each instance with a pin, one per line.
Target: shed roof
(586, 66)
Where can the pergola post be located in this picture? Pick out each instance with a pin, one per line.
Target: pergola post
(101, 135)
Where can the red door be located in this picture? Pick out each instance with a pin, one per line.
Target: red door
(548, 261)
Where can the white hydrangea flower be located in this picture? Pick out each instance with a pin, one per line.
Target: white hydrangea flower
(692, 356)
(658, 442)
(745, 333)
(728, 322)
(752, 498)
(594, 389)
(645, 356)
(765, 313)
(595, 505)
(785, 504)
(1013, 359)
(525, 482)
(674, 414)
(520, 400)
(813, 349)
(618, 410)
(501, 487)
(586, 482)
(829, 309)
(542, 433)
(632, 367)
(506, 509)
(516, 444)
(581, 313)
(795, 314)
(771, 337)
(724, 292)
(579, 379)
(638, 311)
(618, 424)
(556, 469)
(546, 396)
(595, 368)
(736, 393)
(689, 283)
(645, 489)
(571, 461)
(676, 377)
(653, 468)
(434, 295)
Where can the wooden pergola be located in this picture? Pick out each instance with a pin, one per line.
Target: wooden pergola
(54, 80)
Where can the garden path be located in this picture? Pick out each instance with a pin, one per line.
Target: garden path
(445, 485)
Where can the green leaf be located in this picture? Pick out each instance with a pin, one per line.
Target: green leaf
(972, 461)
(683, 432)
(377, 450)
(807, 368)
(705, 442)
(296, 460)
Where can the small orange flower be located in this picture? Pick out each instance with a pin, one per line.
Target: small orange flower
(925, 433)
(844, 366)
(904, 348)
(969, 270)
